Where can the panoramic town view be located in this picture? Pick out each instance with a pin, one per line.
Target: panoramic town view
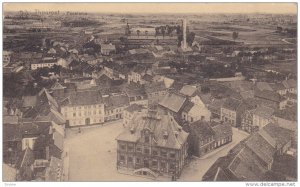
(96, 96)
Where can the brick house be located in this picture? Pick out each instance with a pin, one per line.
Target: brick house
(152, 145)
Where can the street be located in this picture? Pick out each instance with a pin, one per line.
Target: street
(92, 155)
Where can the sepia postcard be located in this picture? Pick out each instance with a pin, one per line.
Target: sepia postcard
(149, 92)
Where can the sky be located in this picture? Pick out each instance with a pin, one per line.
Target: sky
(273, 8)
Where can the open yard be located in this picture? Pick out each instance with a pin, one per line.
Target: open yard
(92, 154)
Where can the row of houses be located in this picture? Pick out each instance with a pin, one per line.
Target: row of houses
(257, 157)
(33, 143)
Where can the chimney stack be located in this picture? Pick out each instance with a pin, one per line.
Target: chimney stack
(184, 46)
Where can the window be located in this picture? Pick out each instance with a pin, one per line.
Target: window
(138, 149)
(138, 160)
(74, 114)
(146, 151)
(122, 158)
(163, 165)
(130, 159)
(99, 111)
(26, 143)
(172, 155)
(172, 166)
(154, 163)
(130, 148)
(147, 139)
(79, 113)
(123, 147)
(155, 153)
(163, 153)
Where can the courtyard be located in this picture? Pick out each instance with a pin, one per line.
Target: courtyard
(92, 155)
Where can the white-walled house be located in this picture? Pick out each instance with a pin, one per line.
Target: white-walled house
(83, 108)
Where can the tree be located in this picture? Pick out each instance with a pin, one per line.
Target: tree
(235, 35)
(138, 33)
(279, 29)
(190, 38)
(156, 31)
(163, 31)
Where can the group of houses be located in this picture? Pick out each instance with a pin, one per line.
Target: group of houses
(33, 142)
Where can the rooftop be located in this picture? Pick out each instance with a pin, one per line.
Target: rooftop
(173, 101)
(159, 126)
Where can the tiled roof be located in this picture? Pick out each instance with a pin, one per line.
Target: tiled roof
(55, 170)
(240, 86)
(173, 101)
(188, 106)
(34, 129)
(116, 101)
(268, 95)
(155, 87)
(221, 130)
(147, 77)
(11, 132)
(188, 90)
(202, 129)
(261, 147)
(232, 104)
(221, 175)
(164, 124)
(45, 97)
(10, 119)
(58, 140)
(277, 86)
(139, 69)
(247, 166)
(108, 46)
(263, 86)
(9, 173)
(281, 135)
(291, 83)
(57, 86)
(220, 168)
(87, 97)
(26, 159)
(264, 111)
(134, 107)
(29, 101)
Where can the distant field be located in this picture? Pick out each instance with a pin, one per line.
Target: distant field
(233, 28)
(283, 67)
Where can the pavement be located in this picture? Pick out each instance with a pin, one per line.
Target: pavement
(66, 160)
(91, 156)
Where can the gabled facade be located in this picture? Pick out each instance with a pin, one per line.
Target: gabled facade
(152, 145)
(83, 108)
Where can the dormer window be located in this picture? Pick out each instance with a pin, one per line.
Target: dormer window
(147, 139)
(165, 135)
(132, 130)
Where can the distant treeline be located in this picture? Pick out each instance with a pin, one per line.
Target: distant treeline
(80, 23)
